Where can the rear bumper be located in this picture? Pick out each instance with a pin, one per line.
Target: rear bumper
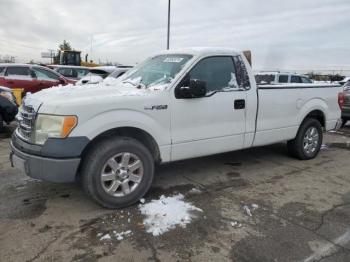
(48, 169)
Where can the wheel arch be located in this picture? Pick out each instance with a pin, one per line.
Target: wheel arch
(315, 108)
(317, 114)
(139, 134)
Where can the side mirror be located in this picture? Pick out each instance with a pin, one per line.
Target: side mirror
(195, 89)
(62, 82)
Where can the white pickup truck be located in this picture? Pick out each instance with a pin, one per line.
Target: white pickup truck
(175, 105)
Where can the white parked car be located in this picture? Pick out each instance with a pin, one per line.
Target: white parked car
(275, 78)
(98, 74)
(176, 105)
(345, 80)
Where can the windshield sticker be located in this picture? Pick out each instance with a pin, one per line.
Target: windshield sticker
(173, 60)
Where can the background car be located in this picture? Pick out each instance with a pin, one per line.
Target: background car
(345, 112)
(98, 74)
(31, 78)
(71, 72)
(276, 78)
(117, 73)
(8, 106)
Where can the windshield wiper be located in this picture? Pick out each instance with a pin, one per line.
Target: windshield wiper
(129, 82)
(137, 85)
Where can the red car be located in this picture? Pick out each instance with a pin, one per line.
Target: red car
(32, 78)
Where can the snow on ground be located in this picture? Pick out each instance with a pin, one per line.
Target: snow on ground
(119, 236)
(106, 237)
(324, 147)
(166, 213)
(236, 224)
(194, 191)
(249, 208)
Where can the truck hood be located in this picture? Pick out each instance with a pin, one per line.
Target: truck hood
(73, 94)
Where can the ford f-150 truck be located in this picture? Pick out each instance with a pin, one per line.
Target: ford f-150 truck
(176, 105)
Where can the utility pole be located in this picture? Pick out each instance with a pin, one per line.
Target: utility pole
(168, 38)
(52, 52)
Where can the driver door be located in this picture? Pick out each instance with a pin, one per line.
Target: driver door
(214, 123)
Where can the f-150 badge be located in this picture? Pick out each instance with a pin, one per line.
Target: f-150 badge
(156, 107)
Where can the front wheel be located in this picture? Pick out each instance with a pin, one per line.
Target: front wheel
(308, 141)
(344, 120)
(117, 172)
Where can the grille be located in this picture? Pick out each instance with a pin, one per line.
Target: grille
(26, 118)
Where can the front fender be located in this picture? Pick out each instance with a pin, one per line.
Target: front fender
(156, 123)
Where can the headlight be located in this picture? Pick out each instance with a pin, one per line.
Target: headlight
(8, 95)
(53, 126)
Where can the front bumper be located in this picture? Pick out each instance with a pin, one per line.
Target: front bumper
(43, 168)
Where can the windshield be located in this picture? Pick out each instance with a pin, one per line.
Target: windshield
(157, 70)
(264, 79)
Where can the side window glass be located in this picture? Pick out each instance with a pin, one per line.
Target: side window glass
(283, 79)
(42, 74)
(295, 79)
(18, 72)
(68, 72)
(218, 73)
(306, 80)
(2, 71)
(82, 72)
(241, 73)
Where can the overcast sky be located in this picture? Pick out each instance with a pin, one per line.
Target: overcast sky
(290, 34)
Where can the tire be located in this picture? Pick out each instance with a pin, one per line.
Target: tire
(107, 157)
(344, 120)
(296, 147)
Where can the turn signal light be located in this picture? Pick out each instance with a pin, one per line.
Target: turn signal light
(69, 123)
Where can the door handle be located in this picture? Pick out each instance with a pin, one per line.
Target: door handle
(10, 82)
(239, 104)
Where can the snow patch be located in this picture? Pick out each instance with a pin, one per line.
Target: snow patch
(194, 191)
(106, 237)
(324, 147)
(166, 213)
(249, 208)
(120, 236)
(236, 224)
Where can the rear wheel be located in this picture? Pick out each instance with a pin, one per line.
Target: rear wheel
(117, 172)
(308, 141)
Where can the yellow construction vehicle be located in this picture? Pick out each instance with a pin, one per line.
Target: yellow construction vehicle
(71, 57)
